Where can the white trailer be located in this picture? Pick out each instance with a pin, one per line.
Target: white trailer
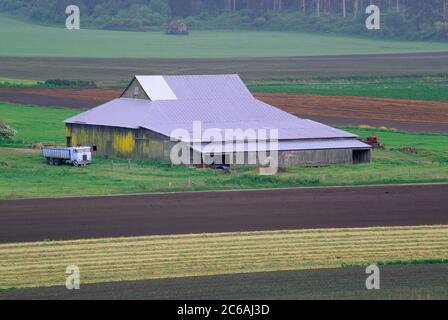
(71, 155)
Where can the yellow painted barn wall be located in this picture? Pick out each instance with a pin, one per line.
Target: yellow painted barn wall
(117, 142)
(108, 140)
(123, 142)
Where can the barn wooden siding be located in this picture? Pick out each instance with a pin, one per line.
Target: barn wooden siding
(130, 90)
(138, 144)
(327, 156)
(142, 144)
(305, 157)
(311, 157)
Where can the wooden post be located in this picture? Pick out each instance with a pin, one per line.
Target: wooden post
(318, 7)
(344, 9)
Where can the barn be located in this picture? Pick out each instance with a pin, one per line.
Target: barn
(140, 124)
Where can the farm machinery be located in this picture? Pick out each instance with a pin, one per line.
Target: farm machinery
(374, 142)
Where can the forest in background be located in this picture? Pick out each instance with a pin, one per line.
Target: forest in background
(400, 19)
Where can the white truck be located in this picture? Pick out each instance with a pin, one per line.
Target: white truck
(72, 155)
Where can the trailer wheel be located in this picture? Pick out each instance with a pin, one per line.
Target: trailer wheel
(51, 161)
(75, 163)
(57, 162)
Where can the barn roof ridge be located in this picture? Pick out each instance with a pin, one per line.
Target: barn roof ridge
(192, 87)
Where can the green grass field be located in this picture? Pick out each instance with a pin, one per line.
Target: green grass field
(24, 173)
(20, 38)
(421, 88)
(42, 264)
(18, 82)
(35, 124)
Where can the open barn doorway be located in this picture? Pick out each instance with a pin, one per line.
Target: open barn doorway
(361, 155)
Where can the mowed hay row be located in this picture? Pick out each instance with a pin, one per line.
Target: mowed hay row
(152, 257)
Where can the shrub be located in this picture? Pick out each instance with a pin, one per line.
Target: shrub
(62, 83)
(442, 29)
(259, 22)
(177, 27)
(6, 132)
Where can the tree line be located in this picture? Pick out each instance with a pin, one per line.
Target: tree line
(422, 9)
(424, 18)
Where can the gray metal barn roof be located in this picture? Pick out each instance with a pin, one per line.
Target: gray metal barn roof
(218, 101)
(194, 87)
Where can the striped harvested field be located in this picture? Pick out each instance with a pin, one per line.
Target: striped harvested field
(41, 264)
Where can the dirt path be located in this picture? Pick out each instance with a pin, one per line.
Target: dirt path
(397, 282)
(113, 72)
(360, 107)
(93, 217)
(70, 98)
(406, 115)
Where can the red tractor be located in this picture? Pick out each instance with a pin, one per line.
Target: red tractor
(374, 142)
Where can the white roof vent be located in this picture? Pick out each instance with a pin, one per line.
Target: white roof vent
(156, 88)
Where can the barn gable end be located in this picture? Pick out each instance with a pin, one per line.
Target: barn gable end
(135, 91)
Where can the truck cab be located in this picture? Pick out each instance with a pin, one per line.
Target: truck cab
(81, 155)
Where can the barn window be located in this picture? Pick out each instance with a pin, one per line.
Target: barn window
(94, 148)
(136, 91)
